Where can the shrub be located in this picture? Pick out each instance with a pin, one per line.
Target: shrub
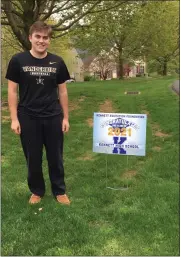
(138, 75)
(89, 78)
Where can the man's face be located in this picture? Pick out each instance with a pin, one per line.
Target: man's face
(39, 41)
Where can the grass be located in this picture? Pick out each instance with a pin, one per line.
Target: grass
(143, 220)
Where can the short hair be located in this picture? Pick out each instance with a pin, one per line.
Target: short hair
(40, 26)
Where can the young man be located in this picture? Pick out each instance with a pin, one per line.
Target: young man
(41, 116)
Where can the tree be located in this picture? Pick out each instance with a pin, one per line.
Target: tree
(135, 34)
(115, 30)
(103, 64)
(21, 14)
(162, 29)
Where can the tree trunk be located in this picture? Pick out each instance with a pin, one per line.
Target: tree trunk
(105, 75)
(146, 69)
(160, 67)
(165, 68)
(120, 64)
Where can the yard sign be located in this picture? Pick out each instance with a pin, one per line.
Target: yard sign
(119, 133)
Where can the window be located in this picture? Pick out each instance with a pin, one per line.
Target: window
(142, 69)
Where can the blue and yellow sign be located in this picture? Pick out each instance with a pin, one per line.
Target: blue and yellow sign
(119, 133)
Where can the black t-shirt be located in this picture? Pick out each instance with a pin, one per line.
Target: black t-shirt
(38, 81)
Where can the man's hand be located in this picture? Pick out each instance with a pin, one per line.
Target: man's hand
(65, 125)
(15, 126)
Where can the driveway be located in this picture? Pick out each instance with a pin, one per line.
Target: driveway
(176, 86)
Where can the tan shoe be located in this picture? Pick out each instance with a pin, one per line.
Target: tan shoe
(34, 199)
(63, 199)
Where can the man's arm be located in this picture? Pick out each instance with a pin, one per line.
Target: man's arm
(63, 98)
(13, 102)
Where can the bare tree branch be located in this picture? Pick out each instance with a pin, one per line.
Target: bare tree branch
(12, 21)
(69, 17)
(76, 20)
(69, 7)
(14, 12)
(6, 23)
(60, 35)
(47, 15)
(21, 14)
(36, 11)
(64, 4)
(109, 8)
(17, 6)
(73, 5)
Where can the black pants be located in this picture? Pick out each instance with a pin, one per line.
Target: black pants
(36, 132)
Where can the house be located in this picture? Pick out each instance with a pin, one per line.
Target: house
(103, 66)
(136, 70)
(79, 64)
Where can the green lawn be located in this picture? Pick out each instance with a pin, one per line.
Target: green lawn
(143, 220)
